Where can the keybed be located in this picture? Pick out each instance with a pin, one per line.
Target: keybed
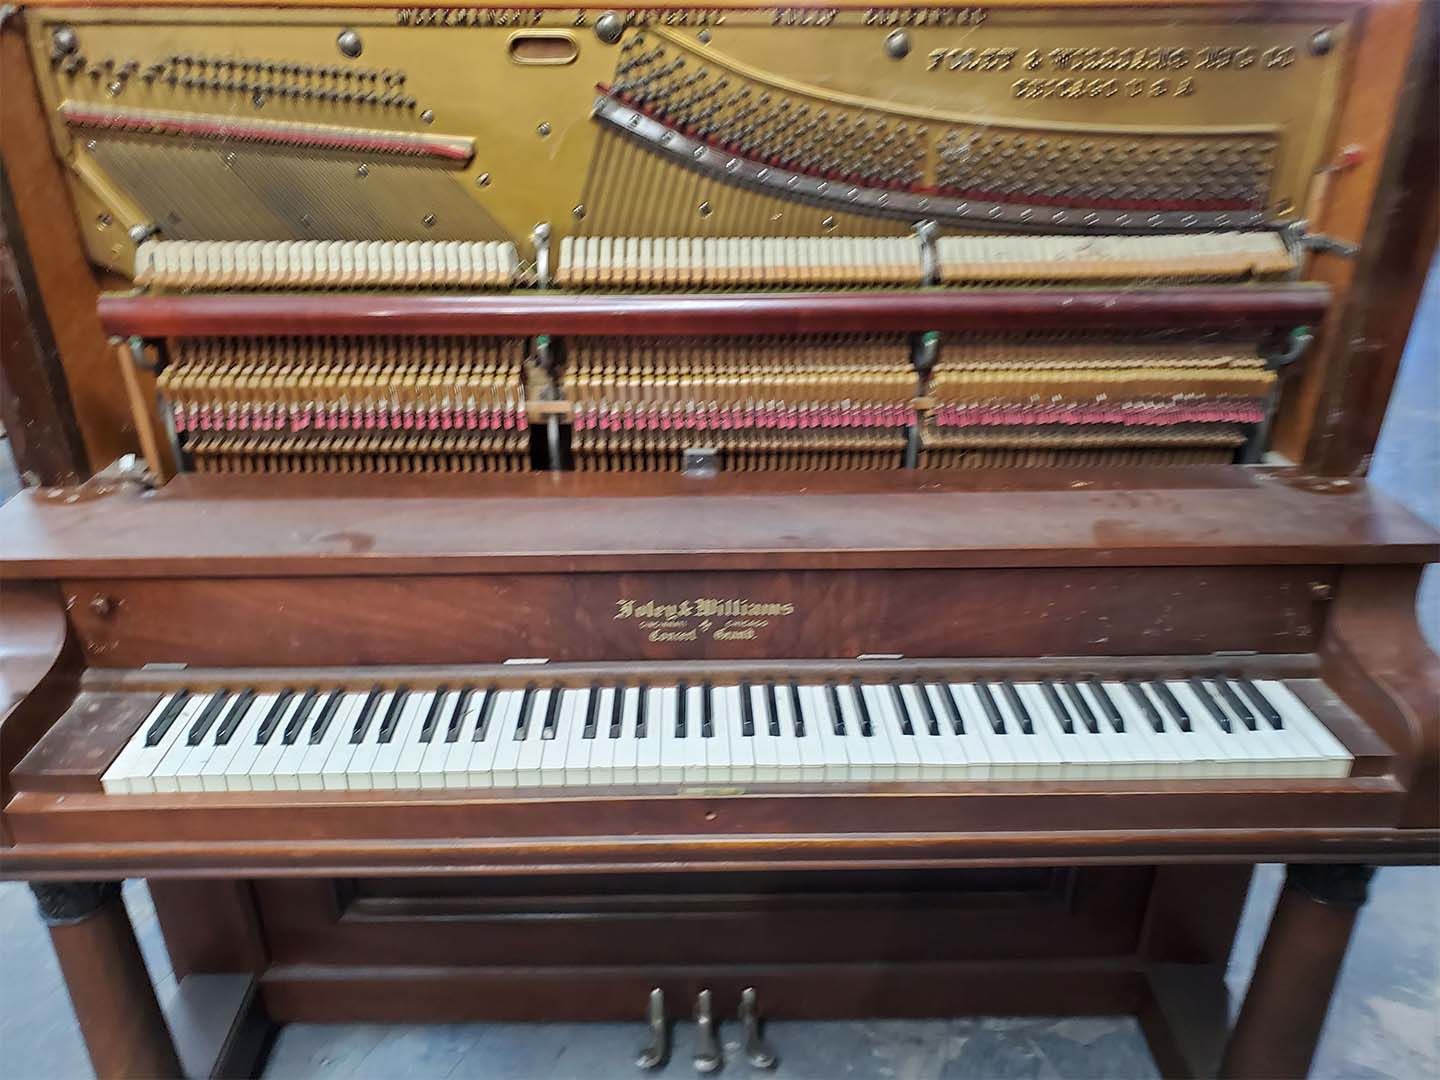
(722, 732)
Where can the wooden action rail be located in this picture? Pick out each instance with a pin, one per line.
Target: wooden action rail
(1212, 308)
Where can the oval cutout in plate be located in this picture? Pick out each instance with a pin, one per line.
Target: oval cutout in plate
(550, 48)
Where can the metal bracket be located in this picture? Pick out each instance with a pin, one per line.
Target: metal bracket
(140, 233)
(925, 232)
(139, 357)
(1288, 349)
(125, 470)
(757, 1050)
(541, 235)
(700, 461)
(1299, 240)
(708, 1058)
(656, 1051)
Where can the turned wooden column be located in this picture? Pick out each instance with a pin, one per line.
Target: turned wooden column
(1284, 1010)
(110, 990)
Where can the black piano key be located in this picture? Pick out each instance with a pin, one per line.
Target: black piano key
(1207, 699)
(747, 710)
(552, 713)
(455, 722)
(617, 711)
(1080, 707)
(906, 724)
(837, 718)
(432, 715)
(162, 723)
(1017, 707)
(642, 712)
(327, 715)
(1267, 710)
(992, 710)
(862, 708)
(392, 714)
(772, 717)
(1172, 703)
(682, 709)
(1058, 707)
(707, 711)
(296, 723)
(795, 710)
(238, 708)
(1236, 703)
(367, 714)
(272, 718)
(927, 709)
(952, 708)
(527, 702)
(1142, 699)
(196, 735)
(1107, 705)
(592, 713)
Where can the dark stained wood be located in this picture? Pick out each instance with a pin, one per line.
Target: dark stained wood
(114, 1001)
(333, 621)
(34, 400)
(1396, 255)
(66, 287)
(38, 672)
(1377, 658)
(312, 525)
(79, 747)
(1219, 308)
(1186, 1018)
(210, 926)
(1289, 994)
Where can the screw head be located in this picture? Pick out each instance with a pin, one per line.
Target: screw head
(64, 40)
(543, 129)
(362, 170)
(703, 37)
(578, 211)
(608, 27)
(102, 605)
(428, 116)
(1321, 42)
(349, 44)
(428, 221)
(104, 221)
(483, 180)
(705, 209)
(897, 45)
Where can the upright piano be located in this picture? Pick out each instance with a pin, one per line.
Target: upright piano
(663, 512)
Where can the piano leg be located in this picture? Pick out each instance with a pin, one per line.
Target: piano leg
(1284, 1009)
(114, 1000)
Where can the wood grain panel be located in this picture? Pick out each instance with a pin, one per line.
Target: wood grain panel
(718, 615)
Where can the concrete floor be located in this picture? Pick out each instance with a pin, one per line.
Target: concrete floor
(1384, 1023)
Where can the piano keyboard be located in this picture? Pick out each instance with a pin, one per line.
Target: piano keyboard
(611, 734)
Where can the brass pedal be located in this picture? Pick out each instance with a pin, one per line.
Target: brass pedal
(757, 1051)
(656, 1050)
(708, 1058)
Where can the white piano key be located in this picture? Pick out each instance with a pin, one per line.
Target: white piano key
(508, 744)
(555, 749)
(884, 763)
(1080, 753)
(436, 752)
(343, 766)
(485, 726)
(1295, 714)
(411, 759)
(212, 776)
(834, 752)
(1247, 756)
(1204, 757)
(1006, 760)
(809, 744)
(237, 771)
(601, 769)
(858, 748)
(935, 764)
(662, 710)
(754, 758)
(635, 703)
(285, 773)
(1129, 754)
(1229, 754)
(532, 746)
(1037, 748)
(163, 775)
(187, 777)
(385, 770)
(116, 778)
(964, 745)
(693, 747)
(309, 774)
(904, 753)
(577, 747)
(775, 740)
